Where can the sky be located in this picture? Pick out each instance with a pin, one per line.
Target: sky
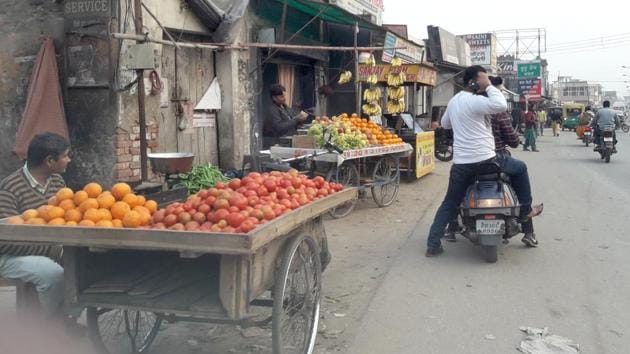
(604, 24)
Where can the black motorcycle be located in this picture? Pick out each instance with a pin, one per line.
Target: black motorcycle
(443, 144)
(607, 144)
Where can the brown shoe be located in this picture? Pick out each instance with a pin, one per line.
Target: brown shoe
(536, 210)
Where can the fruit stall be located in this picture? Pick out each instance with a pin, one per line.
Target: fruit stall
(400, 89)
(353, 152)
(248, 251)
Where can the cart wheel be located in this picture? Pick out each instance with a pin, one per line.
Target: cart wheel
(115, 331)
(296, 298)
(444, 154)
(348, 175)
(386, 181)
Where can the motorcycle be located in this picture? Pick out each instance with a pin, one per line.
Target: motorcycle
(443, 144)
(490, 211)
(624, 125)
(587, 136)
(607, 144)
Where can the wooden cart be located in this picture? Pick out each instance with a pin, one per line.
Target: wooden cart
(130, 280)
(374, 168)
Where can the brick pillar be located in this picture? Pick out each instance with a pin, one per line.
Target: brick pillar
(128, 153)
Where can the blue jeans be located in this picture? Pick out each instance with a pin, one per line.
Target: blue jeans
(43, 273)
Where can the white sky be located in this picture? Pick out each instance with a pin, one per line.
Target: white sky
(564, 20)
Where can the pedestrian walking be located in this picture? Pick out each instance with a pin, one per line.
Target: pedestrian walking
(530, 130)
(541, 116)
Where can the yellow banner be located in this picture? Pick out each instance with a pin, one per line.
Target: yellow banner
(414, 73)
(425, 153)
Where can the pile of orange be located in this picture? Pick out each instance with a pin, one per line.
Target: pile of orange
(92, 207)
(381, 136)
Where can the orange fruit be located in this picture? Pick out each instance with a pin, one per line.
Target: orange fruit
(90, 203)
(67, 204)
(56, 212)
(120, 190)
(64, 194)
(36, 221)
(141, 200)
(93, 189)
(151, 205)
(57, 222)
(29, 214)
(80, 197)
(119, 210)
(15, 220)
(93, 215)
(42, 212)
(132, 219)
(104, 223)
(117, 223)
(73, 215)
(53, 201)
(87, 223)
(145, 214)
(106, 200)
(131, 199)
(105, 214)
(71, 223)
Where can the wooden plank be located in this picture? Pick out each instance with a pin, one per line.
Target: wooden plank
(72, 280)
(233, 285)
(288, 222)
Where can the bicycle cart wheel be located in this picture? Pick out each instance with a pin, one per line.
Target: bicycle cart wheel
(296, 298)
(115, 331)
(348, 175)
(386, 181)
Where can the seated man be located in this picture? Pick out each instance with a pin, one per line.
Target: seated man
(281, 121)
(29, 188)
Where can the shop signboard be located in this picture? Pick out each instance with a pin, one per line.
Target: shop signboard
(411, 55)
(425, 156)
(529, 78)
(445, 46)
(483, 49)
(415, 73)
(373, 8)
(84, 13)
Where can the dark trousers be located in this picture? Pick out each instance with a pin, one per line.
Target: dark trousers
(597, 135)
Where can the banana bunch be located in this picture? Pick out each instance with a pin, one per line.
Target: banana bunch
(371, 61)
(372, 79)
(396, 106)
(372, 94)
(397, 79)
(396, 93)
(396, 61)
(372, 109)
(345, 77)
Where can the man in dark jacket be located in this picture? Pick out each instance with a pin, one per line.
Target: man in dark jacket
(280, 120)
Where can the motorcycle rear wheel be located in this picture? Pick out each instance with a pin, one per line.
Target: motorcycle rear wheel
(490, 253)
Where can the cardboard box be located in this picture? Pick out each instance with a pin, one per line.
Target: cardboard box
(303, 141)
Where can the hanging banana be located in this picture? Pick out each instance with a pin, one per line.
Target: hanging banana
(371, 109)
(396, 79)
(396, 106)
(372, 94)
(345, 77)
(396, 61)
(396, 93)
(371, 61)
(372, 79)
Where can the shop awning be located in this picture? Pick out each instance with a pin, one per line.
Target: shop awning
(331, 13)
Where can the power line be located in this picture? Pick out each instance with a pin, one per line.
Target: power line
(561, 44)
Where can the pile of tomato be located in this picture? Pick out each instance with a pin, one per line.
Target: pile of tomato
(241, 205)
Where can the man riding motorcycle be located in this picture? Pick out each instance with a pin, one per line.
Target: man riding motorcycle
(473, 145)
(504, 136)
(606, 118)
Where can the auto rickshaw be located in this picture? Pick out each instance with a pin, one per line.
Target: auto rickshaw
(571, 113)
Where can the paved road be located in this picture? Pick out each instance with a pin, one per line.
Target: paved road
(576, 283)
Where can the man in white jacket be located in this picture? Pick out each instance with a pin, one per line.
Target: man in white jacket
(473, 144)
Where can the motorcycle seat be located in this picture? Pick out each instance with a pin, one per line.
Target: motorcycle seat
(493, 177)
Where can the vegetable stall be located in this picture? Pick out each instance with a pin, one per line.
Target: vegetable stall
(228, 254)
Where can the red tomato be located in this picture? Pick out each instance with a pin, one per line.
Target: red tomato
(199, 217)
(229, 230)
(219, 215)
(242, 190)
(204, 208)
(257, 214)
(247, 226)
(252, 186)
(158, 216)
(170, 220)
(311, 192)
(303, 200)
(178, 210)
(222, 224)
(319, 181)
(323, 192)
(286, 183)
(192, 226)
(159, 226)
(205, 226)
(203, 194)
(262, 191)
(250, 193)
(296, 182)
(268, 213)
(177, 227)
(253, 220)
(234, 184)
(253, 200)
(286, 203)
(184, 218)
(270, 184)
(293, 172)
(279, 210)
(235, 219)
(291, 190)
(234, 209)
(246, 180)
(210, 200)
(254, 175)
(249, 209)
(215, 228)
(213, 192)
(309, 184)
(239, 201)
(282, 193)
(221, 204)
(220, 185)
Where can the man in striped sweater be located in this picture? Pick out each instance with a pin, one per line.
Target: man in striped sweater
(28, 188)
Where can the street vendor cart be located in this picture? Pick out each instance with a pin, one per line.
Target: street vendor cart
(376, 168)
(131, 280)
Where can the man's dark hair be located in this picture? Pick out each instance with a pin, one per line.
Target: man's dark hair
(588, 108)
(471, 73)
(496, 80)
(45, 145)
(606, 104)
(276, 90)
